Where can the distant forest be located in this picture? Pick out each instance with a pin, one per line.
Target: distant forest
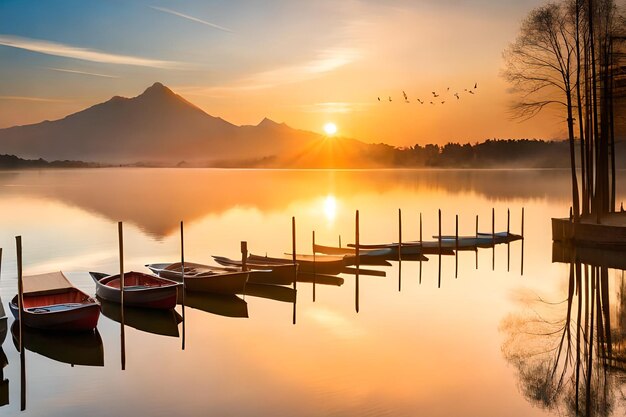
(496, 153)
(13, 162)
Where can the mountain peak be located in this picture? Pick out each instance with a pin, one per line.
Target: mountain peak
(158, 89)
(268, 123)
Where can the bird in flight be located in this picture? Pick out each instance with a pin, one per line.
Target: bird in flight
(475, 86)
(457, 96)
(420, 101)
(471, 92)
(389, 98)
(404, 94)
(432, 102)
(443, 102)
(378, 98)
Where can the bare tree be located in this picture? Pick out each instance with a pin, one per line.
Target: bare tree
(542, 66)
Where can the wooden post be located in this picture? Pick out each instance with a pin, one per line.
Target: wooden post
(522, 255)
(244, 256)
(522, 222)
(314, 265)
(493, 239)
(456, 246)
(508, 243)
(293, 249)
(421, 248)
(120, 235)
(182, 277)
(358, 260)
(399, 235)
(340, 241)
(476, 251)
(20, 286)
(439, 240)
(0, 263)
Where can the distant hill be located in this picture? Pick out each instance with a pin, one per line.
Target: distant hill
(13, 162)
(157, 126)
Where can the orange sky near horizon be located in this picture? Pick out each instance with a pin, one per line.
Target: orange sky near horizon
(332, 69)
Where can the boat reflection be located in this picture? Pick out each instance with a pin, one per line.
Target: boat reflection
(4, 361)
(226, 305)
(83, 348)
(271, 292)
(160, 322)
(570, 355)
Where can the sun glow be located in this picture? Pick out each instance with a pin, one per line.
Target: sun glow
(330, 128)
(330, 208)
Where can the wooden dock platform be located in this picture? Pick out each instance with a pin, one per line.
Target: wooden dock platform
(610, 232)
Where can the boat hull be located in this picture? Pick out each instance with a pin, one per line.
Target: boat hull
(163, 297)
(83, 317)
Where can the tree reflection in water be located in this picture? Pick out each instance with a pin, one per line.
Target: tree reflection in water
(570, 359)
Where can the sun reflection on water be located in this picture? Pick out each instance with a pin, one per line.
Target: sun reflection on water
(330, 208)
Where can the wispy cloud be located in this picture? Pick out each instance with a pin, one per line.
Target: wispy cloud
(85, 54)
(95, 74)
(186, 16)
(335, 107)
(36, 99)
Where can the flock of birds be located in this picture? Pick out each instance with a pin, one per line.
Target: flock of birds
(436, 96)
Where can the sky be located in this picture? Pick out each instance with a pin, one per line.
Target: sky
(304, 63)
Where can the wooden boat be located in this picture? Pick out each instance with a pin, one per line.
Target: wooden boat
(408, 248)
(226, 305)
(51, 302)
(149, 320)
(262, 273)
(84, 348)
(480, 239)
(204, 278)
(323, 264)
(140, 290)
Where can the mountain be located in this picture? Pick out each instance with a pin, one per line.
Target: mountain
(157, 126)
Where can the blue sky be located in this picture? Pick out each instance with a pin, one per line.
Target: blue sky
(301, 62)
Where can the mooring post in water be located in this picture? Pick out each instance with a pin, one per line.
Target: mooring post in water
(0, 263)
(399, 235)
(508, 242)
(182, 276)
(20, 287)
(244, 256)
(476, 249)
(421, 248)
(314, 265)
(358, 261)
(439, 244)
(120, 235)
(522, 255)
(522, 222)
(293, 250)
(340, 241)
(493, 238)
(456, 246)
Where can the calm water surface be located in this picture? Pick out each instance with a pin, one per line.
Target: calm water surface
(413, 348)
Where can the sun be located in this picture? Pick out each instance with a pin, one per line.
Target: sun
(330, 128)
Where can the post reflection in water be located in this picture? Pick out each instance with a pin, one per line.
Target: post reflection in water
(569, 355)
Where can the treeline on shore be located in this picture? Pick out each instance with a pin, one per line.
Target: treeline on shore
(12, 162)
(492, 153)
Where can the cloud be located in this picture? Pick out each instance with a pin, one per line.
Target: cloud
(95, 74)
(85, 54)
(186, 16)
(335, 107)
(36, 99)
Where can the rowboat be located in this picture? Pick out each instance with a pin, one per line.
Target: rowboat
(83, 348)
(203, 278)
(52, 302)
(140, 290)
(276, 274)
(324, 264)
(483, 238)
(149, 320)
(408, 248)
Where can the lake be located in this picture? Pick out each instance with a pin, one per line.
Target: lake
(435, 338)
